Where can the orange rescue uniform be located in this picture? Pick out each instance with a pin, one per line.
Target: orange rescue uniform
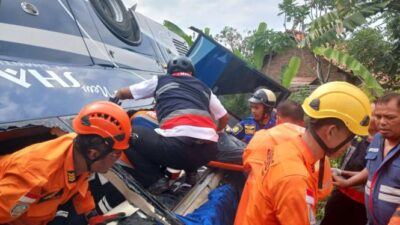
(327, 182)
(255, 155)
(286, 191)
(395, 220)
(36, 180)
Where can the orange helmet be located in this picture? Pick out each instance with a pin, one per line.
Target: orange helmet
(107, 120)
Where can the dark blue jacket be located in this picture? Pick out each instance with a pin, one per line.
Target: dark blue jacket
(183, 100)
(246, 128)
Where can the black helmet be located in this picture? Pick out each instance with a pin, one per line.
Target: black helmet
(180, 64)
(263, 96)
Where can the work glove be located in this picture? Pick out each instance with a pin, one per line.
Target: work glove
(115, 100)
(103, 220)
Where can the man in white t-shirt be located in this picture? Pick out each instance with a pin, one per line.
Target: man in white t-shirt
(187, 138)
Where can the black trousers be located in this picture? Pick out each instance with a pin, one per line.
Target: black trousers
(69, 216)
(342, 210)
(151, 153)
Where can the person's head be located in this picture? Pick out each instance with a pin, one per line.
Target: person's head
(104, 131)
(262, 102)
(337, 111)
(290, 112)
(387, 116)
(180, 64)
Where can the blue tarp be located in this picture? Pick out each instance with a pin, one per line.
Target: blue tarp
(220, 208)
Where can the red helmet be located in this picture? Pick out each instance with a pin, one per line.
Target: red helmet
(107, 120)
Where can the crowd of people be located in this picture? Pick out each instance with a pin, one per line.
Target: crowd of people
(286, 158)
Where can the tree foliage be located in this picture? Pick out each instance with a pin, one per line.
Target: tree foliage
(237, 104)
(231, 38)
(329, 24)
(236, 42)
(351, 64)
(265, 41)
(378, 57)
(177, 30)
(330, 27)
(375, 56)
(392, 30)
(338, 26)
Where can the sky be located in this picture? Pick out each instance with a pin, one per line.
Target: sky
(244, 15)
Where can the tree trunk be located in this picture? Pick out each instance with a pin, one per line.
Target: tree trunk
(328, 73)
(319, 70)
(269, 62)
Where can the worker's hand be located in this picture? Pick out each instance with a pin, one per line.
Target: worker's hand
(115, 98)
(103, 220)
(219, 132)
(340, 181)
(228, 129)
(336, 171)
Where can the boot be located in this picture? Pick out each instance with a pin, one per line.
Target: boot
(191, 177)
(160, 186)
(172, 174)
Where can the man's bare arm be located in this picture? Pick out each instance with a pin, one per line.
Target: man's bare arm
(124, 93)
(222, 122)
(357, 179)
(349, 173)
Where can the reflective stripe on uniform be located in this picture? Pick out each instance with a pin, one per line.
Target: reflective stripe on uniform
(389, 194)
(166, 87)
(181, 112)
(62, 213)
(390, 190)
(367, 187)
(104, 206)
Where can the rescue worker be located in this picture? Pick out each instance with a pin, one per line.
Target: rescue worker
(346, 204)
(287, 190)
(262, 103)
(187, 138)
(105, 194)
(289, 116)
(36, 180)
(383, 160)
(255, 152)
(290, 112)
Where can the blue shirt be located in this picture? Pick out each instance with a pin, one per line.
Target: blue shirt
(246, 128)
(382, 191)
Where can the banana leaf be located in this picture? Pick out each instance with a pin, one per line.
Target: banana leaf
(174, 28)
(291, 71)
(352, 64)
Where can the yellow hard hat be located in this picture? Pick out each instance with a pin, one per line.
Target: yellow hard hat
(343, 101)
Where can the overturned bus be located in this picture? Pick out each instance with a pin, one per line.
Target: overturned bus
(57, 56)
